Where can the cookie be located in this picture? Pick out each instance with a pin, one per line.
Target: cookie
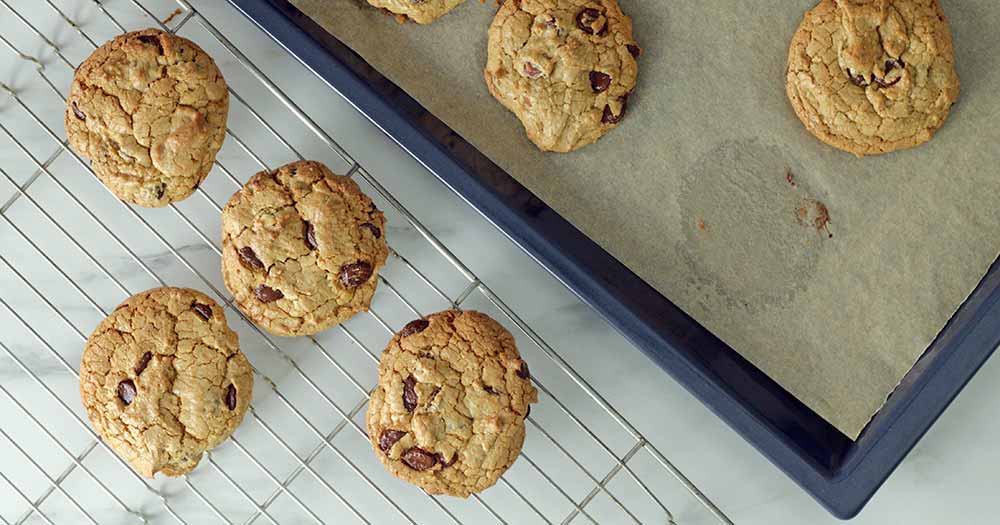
(566, 68)
(163, 380)
(873, 76)
(301, 249)
(420, 11)
(149, 110)
(448, 412)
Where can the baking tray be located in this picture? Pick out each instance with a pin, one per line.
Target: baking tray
(840, 474)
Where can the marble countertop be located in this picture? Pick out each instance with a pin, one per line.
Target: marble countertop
(950, 476)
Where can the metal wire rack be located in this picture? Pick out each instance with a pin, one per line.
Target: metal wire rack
(71, 251)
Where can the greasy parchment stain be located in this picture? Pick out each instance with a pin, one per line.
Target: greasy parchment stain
(836, 321)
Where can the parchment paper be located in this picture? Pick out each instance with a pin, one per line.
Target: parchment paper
(699, 191)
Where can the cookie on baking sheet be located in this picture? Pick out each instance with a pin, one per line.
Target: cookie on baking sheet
(420, 11)
(448, 412)
(873, 76)
(565, 67)
(149, 110)
(302, 248)
(163, 380)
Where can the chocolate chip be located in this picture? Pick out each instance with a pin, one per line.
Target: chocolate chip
(599, 81)
(231, 397)
(490, 390)
(531, 71)
(160, 189)
(76, 111)
(634, 50)
(372, 228)
(266, 294)
(249, 258)
(883, 84)
(310, 237)
(126, 391)
(889, 66)
(419, 459)
(445, 463)
(858, 80)
(609, 117)
(586, 19)
(143, 362)
(355, 274)
(388, 438)
(410, 393)
(151, 40)
(523, 371)
(204, 310)
(414, 327)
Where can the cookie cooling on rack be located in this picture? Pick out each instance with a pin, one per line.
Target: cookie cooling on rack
(873, 76)
(149, 110)
(163, 380)
(448, 412)
(301, 248)
(566, 68)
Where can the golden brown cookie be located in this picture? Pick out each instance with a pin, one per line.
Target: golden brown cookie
(420, 11)
(302, 248)
(873, 76)
(565, 67)
(448, 412)
(163, 380)
(149, 110)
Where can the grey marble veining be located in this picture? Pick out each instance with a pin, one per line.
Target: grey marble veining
(299, 425)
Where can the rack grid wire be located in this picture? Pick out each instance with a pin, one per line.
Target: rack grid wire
(72, 251)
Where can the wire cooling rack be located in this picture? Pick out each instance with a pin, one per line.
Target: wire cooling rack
(71, 252)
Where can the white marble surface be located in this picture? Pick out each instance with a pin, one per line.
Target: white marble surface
(949, 478)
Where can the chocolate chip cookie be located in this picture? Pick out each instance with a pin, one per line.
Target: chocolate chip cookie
(420, 11)
(566, 68)
(873, 76)
(149, 110)
(163, 380)
(301, 248)
(448, 412)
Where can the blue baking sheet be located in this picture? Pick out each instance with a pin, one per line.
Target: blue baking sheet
(840, 474)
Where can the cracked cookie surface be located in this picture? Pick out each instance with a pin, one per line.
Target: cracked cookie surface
(873, 76)
(420, 11)
(163, 380)
(566, 68)
(301, 248)
(149, 110)
(448, 412)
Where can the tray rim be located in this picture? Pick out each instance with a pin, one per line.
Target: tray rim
(637, 311)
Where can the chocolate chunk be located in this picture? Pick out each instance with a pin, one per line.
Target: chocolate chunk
(410, 393)
(266, 294)
(599, 81)
(609, 117)
(586, 19)
(388, 438)
(126, 391)
(372, 228)
(355, 274)
(419, 459)
(523, 371)
(160, 189)
(414, 327)
(151, 40)
(204, 310)
(143, 362)
(231, 397)
(634, 50)
(490, 390)
(76, 111)
(444, 462)
(310, 237)
(858, 80)
(249, 258)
